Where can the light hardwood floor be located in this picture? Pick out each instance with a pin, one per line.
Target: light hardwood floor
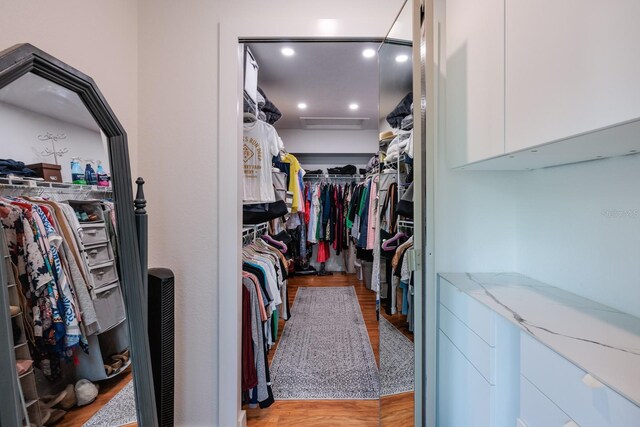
(312, 413)
(108, 389)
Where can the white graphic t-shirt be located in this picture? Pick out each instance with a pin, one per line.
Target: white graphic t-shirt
(259, 145)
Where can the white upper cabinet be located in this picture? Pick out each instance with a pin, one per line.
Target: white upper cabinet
(474, 80)
(536, 83)
(572, 67)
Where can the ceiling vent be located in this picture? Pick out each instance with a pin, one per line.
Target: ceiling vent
(333, 123)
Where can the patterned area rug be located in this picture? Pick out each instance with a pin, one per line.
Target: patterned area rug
(324, 351)
(119, 411)
(396, 360)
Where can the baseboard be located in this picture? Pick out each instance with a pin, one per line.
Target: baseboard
(242, 419)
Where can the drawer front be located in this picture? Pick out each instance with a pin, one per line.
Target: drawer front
(536, 410)
(98, 254)
(93, 234)
(103, 274)
(109, 306)
(464, 396)
(562, 382)
(475, 349)
(470, 312)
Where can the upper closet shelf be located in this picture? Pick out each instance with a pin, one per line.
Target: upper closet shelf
(24, 186)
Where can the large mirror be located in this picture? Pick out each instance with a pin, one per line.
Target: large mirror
(71, 273)
(397, 303)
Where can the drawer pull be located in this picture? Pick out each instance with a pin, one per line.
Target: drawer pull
(571, 424)
(99, 274)
(91, 232)
(591, 382)
(93, 253)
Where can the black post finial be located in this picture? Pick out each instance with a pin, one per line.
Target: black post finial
(140, 202)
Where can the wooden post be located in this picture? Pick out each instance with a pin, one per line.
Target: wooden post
(142, 228)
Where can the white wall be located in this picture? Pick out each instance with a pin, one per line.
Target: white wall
(19, 130)
(99, 38)
(187, 118)
(579, 229)
(330, 141)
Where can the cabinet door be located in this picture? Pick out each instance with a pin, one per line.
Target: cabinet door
(572, 66)
(464, 396)
(474, 80)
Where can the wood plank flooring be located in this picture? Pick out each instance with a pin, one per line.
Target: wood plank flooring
(108, 389)
(321, 413)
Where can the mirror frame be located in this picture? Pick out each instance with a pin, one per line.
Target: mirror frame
(14, 63)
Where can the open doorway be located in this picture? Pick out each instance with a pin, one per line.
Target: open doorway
(320, 183)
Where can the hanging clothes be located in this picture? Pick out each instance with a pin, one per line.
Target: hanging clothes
(264, 284)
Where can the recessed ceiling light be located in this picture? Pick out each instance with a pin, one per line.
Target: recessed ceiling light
(402, 58)
(302, 106)
(287, 51)
(353, 106)
(368, 53)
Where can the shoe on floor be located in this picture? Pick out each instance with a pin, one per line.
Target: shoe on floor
(69, 400)
(51, 401)
(56, 415)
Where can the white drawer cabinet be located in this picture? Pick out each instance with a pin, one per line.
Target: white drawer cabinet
(478, 365)
(480, 354)
(536, 410)
(477, 317)
(572, 67)
(464, 396)
(475, 80)
(585, 400)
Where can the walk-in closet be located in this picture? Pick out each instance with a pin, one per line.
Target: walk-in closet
(327, 243)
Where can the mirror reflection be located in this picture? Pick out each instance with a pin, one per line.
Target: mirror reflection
(396, 320)
(68, 317)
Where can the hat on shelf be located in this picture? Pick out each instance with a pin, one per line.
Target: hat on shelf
(386, 136)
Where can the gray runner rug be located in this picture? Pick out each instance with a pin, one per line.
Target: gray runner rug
(324, 351)
(119, 411)
(396, 360)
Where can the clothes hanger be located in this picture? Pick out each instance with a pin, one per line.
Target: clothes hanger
(387, 244)
(249, 118)
(273, 242)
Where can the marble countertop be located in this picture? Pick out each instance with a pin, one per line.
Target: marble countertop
(600, 340)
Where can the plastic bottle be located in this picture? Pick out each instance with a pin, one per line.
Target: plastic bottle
(103, 178)
(90, 175)
(77, 174)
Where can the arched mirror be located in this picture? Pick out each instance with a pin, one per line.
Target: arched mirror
(73, 340)
(397, 296)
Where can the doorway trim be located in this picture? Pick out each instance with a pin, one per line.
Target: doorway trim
(229, 218)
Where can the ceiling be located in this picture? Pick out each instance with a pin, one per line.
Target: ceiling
(327, 76)
(34, 93)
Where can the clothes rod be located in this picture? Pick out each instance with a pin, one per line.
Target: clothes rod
(332, 176)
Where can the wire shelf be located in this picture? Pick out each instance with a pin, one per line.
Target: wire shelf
(326, 176)
(20, 186)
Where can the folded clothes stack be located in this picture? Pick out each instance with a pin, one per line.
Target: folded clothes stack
(15, 167)
(343, 170)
